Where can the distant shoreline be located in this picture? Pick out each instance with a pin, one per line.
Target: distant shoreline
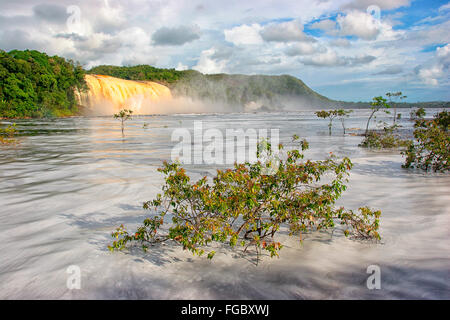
(447, 105)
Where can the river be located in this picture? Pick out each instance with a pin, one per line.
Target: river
(70, 182)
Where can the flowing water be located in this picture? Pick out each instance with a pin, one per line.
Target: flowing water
(71, 181)
(108, 94)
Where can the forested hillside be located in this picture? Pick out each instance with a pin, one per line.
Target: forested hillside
(255, 91)
(33, 84)
(235, 90)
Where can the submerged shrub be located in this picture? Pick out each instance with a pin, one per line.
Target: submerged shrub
(377, 104)
(327, 114)
(419, 113)
(7, 134)
(342, 114)
(394, 96)
(245, 207)
(332, 114)
(431, 148)
(123, 115)
(384, 140)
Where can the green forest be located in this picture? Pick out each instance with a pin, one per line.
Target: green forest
(33, 84)
(139, 73)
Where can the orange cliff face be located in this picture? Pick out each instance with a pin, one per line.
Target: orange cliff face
(107, 95)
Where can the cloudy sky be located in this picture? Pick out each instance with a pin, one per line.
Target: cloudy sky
(344, 49)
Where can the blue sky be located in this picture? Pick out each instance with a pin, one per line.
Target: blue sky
(345, 49)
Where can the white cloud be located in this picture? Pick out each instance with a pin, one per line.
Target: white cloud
(181, 67)
(383, 4)
(430, 75)
(285, 32)
(301, 49)
(360, 24)
(244, 34)
(206, 64)
(443, 52)
(176, 36)
(341, 42)
(327, 25)
(331, 59)
(444, 7)
(241, 37)
(109, 19)
(437, 69)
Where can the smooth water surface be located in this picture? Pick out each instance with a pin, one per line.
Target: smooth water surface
(70, 182)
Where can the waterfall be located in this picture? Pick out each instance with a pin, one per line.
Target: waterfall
(108, 95)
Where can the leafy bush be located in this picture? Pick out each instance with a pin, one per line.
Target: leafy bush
(418, 113)
(442, 119)
(332, 114)
(383, 140)
(7, 134)
(327, 114)
(431, 148)
(245, 207)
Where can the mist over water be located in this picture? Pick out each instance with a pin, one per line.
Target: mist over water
(108, 95)
(71, 181)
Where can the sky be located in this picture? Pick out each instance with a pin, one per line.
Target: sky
(349, 50)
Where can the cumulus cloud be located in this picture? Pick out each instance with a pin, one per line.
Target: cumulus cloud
(285, 32)
(71, 36)
(426, 35)
(241, 36)
(175, 36)
(222, 52)
(436, 69)
(354, 23)
(340, 42)
(181, 67)
(255, 34)
(253, 61)
(206, 63)
(331, 59)
(244, 34)
(360, 24)
(382, 4)
(19, 40)
(51, 13)
(301, 49)
(139, 58)
(327, 25)
(109, 19)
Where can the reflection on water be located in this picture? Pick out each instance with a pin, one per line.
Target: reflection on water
(70, 182)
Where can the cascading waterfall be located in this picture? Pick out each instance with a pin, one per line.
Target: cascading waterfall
(108, 95)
